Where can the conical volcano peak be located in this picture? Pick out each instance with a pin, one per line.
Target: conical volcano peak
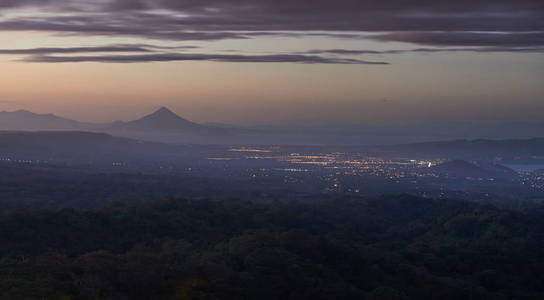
(164, 114)
(164, 111)
(165, 120)
(162, 119)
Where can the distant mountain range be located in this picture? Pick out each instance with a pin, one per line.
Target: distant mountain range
(163, 120)
(165, 126)
(26, 120)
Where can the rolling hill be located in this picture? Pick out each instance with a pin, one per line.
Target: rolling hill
(26, 120)
(76, 145)
(461, 168)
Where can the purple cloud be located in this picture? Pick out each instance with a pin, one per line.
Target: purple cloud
(438, 23)
(426, 50)
(110, 48)
(165, 57)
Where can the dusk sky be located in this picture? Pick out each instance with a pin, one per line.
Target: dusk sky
(257, 61)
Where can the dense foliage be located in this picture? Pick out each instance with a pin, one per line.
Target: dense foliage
(56, 187)
(384, 248)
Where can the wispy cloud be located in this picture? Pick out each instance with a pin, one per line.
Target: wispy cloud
(154, 53)
(165, 57)
(72, 50)
(489, 39)
(426, 50)
(94, 49)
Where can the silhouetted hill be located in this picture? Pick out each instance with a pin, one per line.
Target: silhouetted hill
(75, 144)
(481, 149)
(539, 172)
(161, 121)
(26, 120)
(461, 168)
(458, 166)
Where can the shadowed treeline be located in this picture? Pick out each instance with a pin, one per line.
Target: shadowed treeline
(399, 247)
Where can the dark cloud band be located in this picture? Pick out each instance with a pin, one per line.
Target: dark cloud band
(111, 48)
(504, 39)
(166, 57)
(462, 23)
(41, 51)
(427, 50)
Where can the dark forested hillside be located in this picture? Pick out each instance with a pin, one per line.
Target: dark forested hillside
(75, 146)
(399, 247)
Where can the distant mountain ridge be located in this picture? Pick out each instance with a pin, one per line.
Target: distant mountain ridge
(462, 168)
(77, 145)
(510, 150)
(161, 121)
(484, 145)
(165, 126)
(26, 120)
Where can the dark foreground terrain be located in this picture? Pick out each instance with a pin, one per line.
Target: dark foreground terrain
(78, 220)
(395, 247)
